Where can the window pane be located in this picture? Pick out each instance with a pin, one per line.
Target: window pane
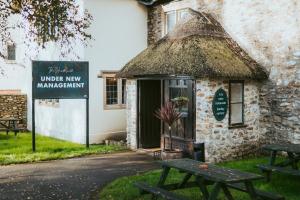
(236, 113)
(170, 21)
(178, 94)
(111, 91)
(123, 91)
(236, 92)
(183, 14)
(11, 52)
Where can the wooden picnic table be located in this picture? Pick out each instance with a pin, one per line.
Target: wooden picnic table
(220, 178)
(288, 166)
(10, 124)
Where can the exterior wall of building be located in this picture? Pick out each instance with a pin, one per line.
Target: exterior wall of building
(270, 33)
(119, 31)
(131, 112)
(222, 143)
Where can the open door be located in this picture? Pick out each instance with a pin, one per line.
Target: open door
(149, 102)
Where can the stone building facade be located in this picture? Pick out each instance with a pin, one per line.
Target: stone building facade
(201, 53)
(221, 141)
(270, 33)
(14, 106)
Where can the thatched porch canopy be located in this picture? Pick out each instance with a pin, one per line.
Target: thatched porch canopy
(197, 47)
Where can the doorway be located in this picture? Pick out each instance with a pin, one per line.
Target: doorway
(149, 101)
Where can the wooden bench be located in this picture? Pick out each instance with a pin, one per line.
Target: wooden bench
(10, 125)
(262, 194)
(15, 130)
(158, 192)
(269, 169)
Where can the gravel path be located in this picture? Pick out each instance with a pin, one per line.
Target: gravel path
(78, 178)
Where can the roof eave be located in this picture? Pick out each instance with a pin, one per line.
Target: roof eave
(153, 2)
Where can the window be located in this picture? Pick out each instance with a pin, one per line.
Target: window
(182, 14)
(236, 103)
(173, 17)
(114, 91)
(111, 91)
(11, 52)
(170, 21)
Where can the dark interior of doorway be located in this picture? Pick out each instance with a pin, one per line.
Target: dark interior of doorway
(149, 101)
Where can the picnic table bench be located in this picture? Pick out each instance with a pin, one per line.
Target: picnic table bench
(10, 124)
(288, 166)
(158, 192)
(220, 178)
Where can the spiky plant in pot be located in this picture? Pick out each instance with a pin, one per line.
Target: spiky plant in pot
(168, 114)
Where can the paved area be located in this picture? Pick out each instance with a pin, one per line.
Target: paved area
(78, 178)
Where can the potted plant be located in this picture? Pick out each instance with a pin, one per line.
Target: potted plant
(180, 101)
(169, 115)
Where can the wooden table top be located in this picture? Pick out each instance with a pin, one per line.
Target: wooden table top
(213, 173)
(293, 148)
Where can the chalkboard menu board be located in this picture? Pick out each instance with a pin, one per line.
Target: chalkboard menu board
(220, 104)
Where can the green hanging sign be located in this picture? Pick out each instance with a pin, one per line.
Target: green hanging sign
(220, 104)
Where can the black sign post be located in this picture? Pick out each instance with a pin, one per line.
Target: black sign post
(60, 80)
(220, 104)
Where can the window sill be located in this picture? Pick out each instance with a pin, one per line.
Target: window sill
(10, 61)
(114, 107)
(237, 126)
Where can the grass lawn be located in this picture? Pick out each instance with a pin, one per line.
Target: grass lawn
(18, 149)
(288, 186)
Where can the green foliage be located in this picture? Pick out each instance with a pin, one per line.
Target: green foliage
(61, 21)
(287, 186)
(18, 149)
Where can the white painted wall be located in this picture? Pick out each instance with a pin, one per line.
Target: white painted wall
(120, 33)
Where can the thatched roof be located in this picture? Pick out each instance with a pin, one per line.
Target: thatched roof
(198, 47)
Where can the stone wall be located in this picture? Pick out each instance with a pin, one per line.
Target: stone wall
(222, 143)
(14, 106)
(281, 106)
(270, 33)
(131, 108)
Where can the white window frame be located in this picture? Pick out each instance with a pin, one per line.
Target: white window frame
(119, 105)
(177, 18)
(241, 102)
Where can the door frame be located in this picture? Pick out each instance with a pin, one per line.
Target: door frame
(162, 79)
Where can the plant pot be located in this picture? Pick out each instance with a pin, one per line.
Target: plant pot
(168, 154)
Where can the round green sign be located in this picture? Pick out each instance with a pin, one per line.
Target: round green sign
(220, 104)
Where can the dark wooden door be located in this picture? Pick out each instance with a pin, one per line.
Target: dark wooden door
(149, 102)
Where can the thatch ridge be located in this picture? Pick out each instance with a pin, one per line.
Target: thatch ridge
(197, 47)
